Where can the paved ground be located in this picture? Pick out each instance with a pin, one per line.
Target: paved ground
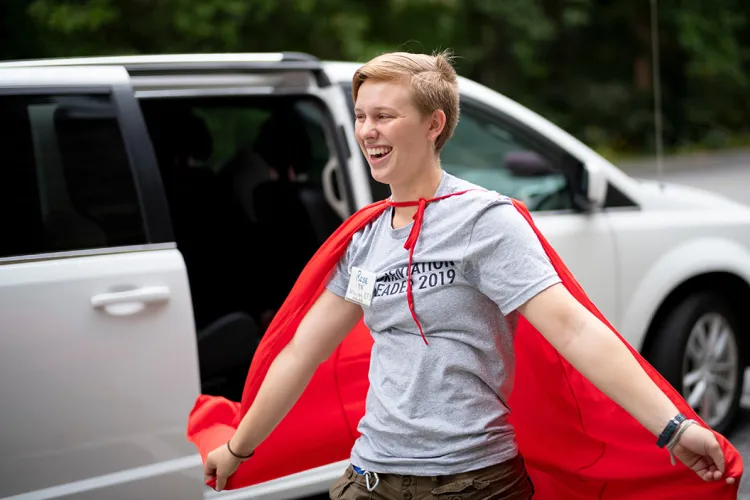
(741, 439)
(727, 174)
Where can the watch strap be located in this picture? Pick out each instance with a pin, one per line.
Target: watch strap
(669, 430)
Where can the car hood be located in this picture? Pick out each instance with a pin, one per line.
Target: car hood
(671, 195)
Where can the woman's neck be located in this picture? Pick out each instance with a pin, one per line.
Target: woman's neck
(423, 186)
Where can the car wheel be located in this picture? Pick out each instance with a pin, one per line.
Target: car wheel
(699, 350)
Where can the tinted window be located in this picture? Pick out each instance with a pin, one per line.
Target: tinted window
(66, 182)
(487, 151)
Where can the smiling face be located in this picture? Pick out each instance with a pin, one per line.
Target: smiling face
(395, 137)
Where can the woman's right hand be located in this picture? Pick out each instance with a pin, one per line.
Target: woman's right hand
(220, 464)
(322, 329)
(698, 449)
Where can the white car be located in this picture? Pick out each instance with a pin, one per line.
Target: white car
(158, 208)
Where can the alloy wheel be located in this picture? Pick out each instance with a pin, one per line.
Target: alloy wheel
(709, 368)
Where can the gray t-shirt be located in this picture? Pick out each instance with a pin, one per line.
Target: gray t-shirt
(441, 408)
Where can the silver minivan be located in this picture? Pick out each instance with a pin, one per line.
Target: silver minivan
(146, 206)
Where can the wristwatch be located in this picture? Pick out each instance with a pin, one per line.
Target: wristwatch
(669, 429)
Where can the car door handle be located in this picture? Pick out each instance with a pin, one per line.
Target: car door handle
(129, 302)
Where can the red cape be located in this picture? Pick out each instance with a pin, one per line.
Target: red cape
(577, 443)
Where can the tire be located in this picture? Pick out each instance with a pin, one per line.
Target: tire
(676, 353)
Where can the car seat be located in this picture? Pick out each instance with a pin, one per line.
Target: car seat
(226, 348)
(284, 219)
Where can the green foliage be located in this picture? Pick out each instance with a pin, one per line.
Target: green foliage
(586, 64)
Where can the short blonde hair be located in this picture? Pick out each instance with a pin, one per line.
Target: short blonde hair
(432, 78)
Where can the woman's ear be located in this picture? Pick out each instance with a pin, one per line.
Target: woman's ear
(437, 124)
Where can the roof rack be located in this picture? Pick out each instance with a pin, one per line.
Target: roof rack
(299, 56)
(194, 63)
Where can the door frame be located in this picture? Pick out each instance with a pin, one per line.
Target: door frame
(144, 166)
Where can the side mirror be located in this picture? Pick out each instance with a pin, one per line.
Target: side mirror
(593, 190)
(528, 164)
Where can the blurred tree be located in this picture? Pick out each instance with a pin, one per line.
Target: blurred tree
(19, 35)
(586, 64)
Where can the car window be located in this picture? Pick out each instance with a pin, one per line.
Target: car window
(487, 151)
(66, 181)
(231, 128)
(234, 127)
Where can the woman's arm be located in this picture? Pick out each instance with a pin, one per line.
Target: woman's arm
(322, 329)
(591, 347)
(595, 351)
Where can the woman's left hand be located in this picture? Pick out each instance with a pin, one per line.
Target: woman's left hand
(220, 464)
(699, 450)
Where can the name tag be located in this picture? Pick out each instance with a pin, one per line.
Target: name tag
(361, 286)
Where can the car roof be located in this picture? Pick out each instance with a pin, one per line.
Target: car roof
(337, 71)
(341, 71)
(144, 60)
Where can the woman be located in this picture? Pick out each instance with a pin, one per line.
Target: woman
(436, 421)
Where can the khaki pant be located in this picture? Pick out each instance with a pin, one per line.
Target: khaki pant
(505, 481)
